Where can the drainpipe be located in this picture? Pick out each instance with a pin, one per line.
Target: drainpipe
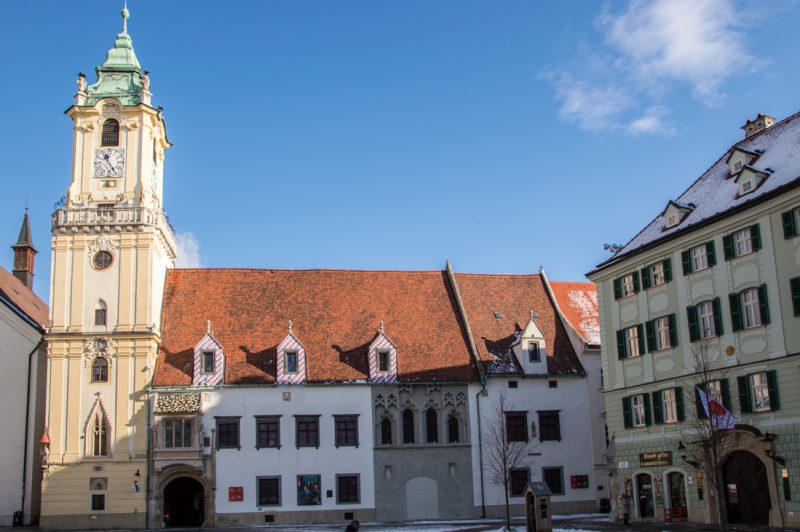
(147, 469)
(25, 435)
(480, 442)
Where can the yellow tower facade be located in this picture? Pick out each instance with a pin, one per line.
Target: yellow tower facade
(111, 247)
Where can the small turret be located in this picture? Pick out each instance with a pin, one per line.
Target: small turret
(760, 123)
(24, 253)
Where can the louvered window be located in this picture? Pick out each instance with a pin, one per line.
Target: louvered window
(110, 133)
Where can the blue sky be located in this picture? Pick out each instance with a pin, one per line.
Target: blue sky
(503, 135)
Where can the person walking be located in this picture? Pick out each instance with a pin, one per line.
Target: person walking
(642, 505)
(353, 526)
(625, 503)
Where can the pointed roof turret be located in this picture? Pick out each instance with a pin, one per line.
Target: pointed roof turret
(25, 240)
(120, 76)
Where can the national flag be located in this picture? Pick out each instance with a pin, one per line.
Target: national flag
(716, 412)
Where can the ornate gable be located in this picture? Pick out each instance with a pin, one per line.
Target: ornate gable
(382, 357)
(209, 361)
(291, 360)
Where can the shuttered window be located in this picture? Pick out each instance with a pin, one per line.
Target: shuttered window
(794, 285)
(705, 320)
(657, 274)
(661, 333)
(749, 308)
(699, 258)
(791, 223)
(627, 285)
(668, 406)
(636, 411)
(742, 242)
(758, 392)
(630, 342)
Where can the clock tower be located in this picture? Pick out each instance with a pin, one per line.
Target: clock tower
(111, 247)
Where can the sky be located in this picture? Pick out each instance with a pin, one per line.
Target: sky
(503, 135)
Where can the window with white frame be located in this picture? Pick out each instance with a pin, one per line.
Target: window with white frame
(208, 361)
(657, 276)
(291, 361)
(705, 312)
(747, 186)
(669, 406)
(672, 220)
(743, 242)
(714, 391)
(699, 257)
(662, 333)
(533, 352)
(632, 339)
(383, 361)
(177, 433)
(628, 286)
(637, 410)
(751, 312)
(760, 389)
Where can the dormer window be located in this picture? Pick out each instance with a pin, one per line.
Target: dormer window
(675, 212)
(291, 361)
(672, 220)
(110, 136)
(533, 352)
(747, 186)
(737, 166)
(750, 179)
(208, 361)
(383, 361)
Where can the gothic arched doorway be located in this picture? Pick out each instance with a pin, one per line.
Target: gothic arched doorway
(746, 489)
(184, 503)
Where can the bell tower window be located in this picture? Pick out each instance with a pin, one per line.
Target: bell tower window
(100, 370)
(110, 135)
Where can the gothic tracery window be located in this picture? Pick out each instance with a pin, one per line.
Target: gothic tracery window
(386, 431)
(99, 435)
(408, 426)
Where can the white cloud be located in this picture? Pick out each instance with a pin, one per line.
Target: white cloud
(651, 123)
(188, 250)
(593, 108)
(698, 42)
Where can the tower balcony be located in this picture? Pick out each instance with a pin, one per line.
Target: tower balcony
(107, 217)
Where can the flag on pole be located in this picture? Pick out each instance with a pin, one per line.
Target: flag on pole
(716, 412)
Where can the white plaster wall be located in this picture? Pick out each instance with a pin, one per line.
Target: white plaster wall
(17, 340)
(242, 467)
(573, 452)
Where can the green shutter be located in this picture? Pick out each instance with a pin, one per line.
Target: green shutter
(626, 412)
(772, 383)
(658, 417)
(635, 282)
(650, 327)
(622, 350)
(694, 328)
(745, 402)
(667, 270)
(727, 246)
(736, 311)
(646, 277)
(755, 236)
(640, 335)
(794, 284)
(698, 403)
(726, 393)
(789, 224)
(617, 289)
(712, 254)
(673, 331)
(763, 304)
(687, 262)
(715, 304)
(679, 404)
(648, 415)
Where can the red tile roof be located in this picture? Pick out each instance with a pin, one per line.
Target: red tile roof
(578, 303)
(335, 314)
(23, 298)
(514, 297)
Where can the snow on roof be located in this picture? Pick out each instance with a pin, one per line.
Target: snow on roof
(715, 193)
(578, 303)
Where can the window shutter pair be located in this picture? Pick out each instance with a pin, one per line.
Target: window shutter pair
(617, 289)
(686, 259)
(772, 383)
(640, 337)
(763, 305)
(711, 253)
(755, 236)
(728, 243)
(716, 307)
(658, 416)
(746, 394)
(667, 270)
(789, 224)
(650, 329)
(648, 415)
(658, 401)
(627, 416)
(646, 282)
(745, 397)
(795, 286)
(694, 325)
(736, 311)
(636, 282)
(673, 331)
(622, 345)
(727, 247)
(711, 256)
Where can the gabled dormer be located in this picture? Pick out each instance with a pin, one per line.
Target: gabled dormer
(291, 360)
(531, 348)
(674, 213)
(750, 179)
(382, 357)
(739, 158)
(209, 360)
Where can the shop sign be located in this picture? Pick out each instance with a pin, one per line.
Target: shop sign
(658, 458)
(623, 465)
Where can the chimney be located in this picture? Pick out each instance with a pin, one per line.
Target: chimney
(761, 122)
(23, 254)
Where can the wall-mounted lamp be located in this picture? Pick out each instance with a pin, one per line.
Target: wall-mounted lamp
(778, 459)
(681, 446)
(692, 463)
(136, 478)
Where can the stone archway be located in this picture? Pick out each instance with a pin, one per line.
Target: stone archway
(746, 486)
(184, 494)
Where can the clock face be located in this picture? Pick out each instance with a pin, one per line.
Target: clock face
(109, 162)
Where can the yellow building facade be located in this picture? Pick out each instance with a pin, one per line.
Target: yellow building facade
(111, 247)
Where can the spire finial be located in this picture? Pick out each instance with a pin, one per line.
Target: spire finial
(381, 328)
(290, 326)
(208, 328)
(125, 15)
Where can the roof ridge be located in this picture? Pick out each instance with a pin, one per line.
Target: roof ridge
(300, 270)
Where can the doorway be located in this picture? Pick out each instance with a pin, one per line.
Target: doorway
(184, 503)
(677, 495)
(746, 489)
(643, 498)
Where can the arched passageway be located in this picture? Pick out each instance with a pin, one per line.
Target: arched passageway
(746, 489)
(184, 503)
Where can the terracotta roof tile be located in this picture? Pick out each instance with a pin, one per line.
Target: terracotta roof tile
(335, 314)
(23, 298)
(578, 303)
(514, 297)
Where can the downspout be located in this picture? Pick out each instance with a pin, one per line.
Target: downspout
(460, 304)
(147, 469)
(25, 435)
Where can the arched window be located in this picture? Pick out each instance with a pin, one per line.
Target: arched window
(452, 429)
(100, 313)
(408, 426)
(431, 426)
(99, 435)
(100, 370)
(386, 431)
(110, 133)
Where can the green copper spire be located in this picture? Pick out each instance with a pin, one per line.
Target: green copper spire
(120, 75)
